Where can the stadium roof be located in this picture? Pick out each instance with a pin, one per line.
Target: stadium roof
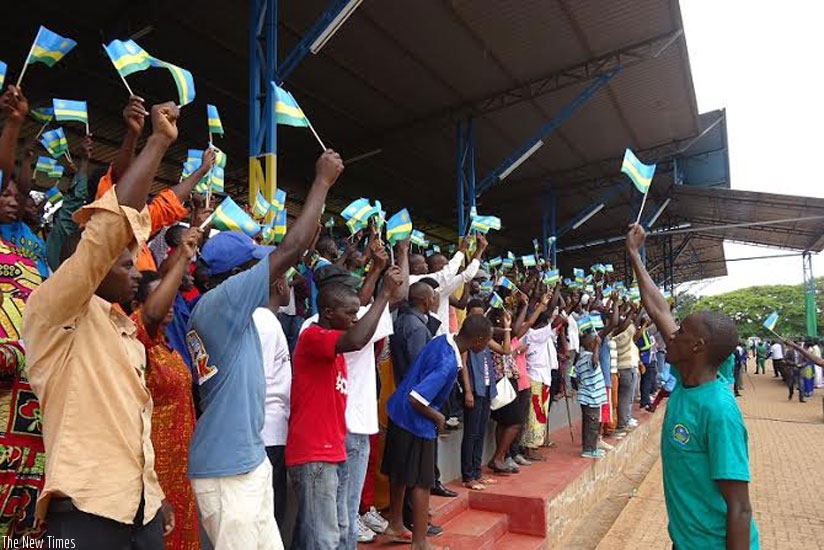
(396, 78)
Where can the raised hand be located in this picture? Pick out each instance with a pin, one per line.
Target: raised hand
(15, 104)
(134, 114)
(392, 280)
(164, 120)
(208, 160)
(328, 167)
(379, 257)
(635, 238)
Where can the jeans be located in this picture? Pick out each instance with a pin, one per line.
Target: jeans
(350, 488)
(793, 380)
(277, 456)
(472, 446)
(90, 532)
(316, 488)
(625, 390)
(590, 421)
(648, 383)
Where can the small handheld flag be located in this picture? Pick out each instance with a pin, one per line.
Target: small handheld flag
(67, 110)
(45, 164)
(529, 260)
(3, 68)
(228, 216)
(771, 321)
(584, 323)
(279, 202)
(55, 142)
(419, 239)
(183, 80)
(56, 172)
(578, 273)
(128, 58)
(215, 126)
(217, 179)
(507, 284)
(551, 277)
(496, 301)
(48, 48)
(398, 227)
(289, 113)
(280, 226)
(261, 207)
(641, 174)
(43, 115)
(508, 263)
(53, 195)
(482, 224)
(496, 261)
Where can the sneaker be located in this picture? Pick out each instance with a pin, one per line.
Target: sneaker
(619, 434)
(523, 461)
(452, 422)
(632, 422)
(374, 521)
(365, 534)
(511, 464)
(604, 445)
(592, 454)
(434, 530)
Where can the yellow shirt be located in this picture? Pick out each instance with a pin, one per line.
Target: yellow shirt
(87, 366)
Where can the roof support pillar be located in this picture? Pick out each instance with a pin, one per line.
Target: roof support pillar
(263, 23)
(465, 157)
(809, 295)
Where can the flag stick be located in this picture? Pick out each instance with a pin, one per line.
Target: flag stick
(207, 221)
(391, 254)
(87, 127)
(317, 137)
(69, 156)
(26, 63)
(123, 78)
(41, 131)
(641, 210)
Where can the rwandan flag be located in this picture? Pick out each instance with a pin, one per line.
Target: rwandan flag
(189, 168)
(551, 277)
(529, 260)
(483, 224)
(3, 68)
(508, 263)
(183, 80)
(597, 321)
(496, 301)
(127, 57)
(640, 173)
(771, 321)
(280, 226)
(354, 225)
(217, 180)
(65, 109)
(419, 239)
(49, 47)
(55, 142)
(53, 195)
(261, 207)
(584, 323)
(279, 202)
(578, 273)
(230, 217)
(220, 158)
(287, 110)
(507, 284)
(608, 268)
(45, 164)
(215, 127)
(43, 115)
(496, 261)
(398, 227)
(56, 172)
(354, 207)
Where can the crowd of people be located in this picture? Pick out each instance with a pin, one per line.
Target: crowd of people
(175, 382)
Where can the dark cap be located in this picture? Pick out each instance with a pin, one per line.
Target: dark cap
(334, 274)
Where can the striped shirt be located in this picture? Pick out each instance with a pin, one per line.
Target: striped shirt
(591, 389)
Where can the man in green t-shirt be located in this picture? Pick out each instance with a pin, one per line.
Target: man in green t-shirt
(761, 353)
(703, 440)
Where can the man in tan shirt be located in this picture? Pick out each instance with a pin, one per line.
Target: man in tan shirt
(87, 366)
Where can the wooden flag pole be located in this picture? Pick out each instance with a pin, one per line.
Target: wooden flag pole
(641, 210)
(26, 63)
(209, 188)
(207, 221)
(123, 78)
(41, 131)
(317, 137)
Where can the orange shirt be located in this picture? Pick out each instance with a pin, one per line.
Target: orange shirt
(165, 210)
(86, 365)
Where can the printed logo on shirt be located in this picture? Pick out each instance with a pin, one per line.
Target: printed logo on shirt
(680, 434)
(200, 357)
(341, 385)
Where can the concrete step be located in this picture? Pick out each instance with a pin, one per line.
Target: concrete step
(515, 541)
(472, 530)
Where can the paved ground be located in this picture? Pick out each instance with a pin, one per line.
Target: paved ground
(787, 464)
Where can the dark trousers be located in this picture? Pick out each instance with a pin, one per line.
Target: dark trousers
(793, 379)
(590, 421)
(407, 496)
(277, 457)
(647, 383)
(778, 367)
(90, 532)
(472, 446)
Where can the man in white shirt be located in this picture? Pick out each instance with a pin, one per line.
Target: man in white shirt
(445, 273)
(777, 356)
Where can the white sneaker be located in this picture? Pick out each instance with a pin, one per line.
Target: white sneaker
(519, 459)
(374, 521)
(604, 445)
(632, 422)
(365, 534)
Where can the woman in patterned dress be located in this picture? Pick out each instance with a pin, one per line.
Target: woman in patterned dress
(170, 384)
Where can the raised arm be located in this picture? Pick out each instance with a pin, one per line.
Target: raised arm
(361, 332)
(520, 316)
(327, 169)
(159, 302)
(505, 347)
(807, 355)
(16, 107)
(654, 302)
(379, 263)
(539, 308)
(183, 189)
(402, 258)
(134, 115)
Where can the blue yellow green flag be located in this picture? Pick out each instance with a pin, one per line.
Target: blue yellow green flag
(55, 142)
(771, 321)
(280, 226)
(419, 239)
(217, 179)
(640, 173)
(56, 172)
(66, 109)
(127, 57)
(261, 206)
(279, 201)
(231, 217)
(45, 164)
(496, 301)
(399, 226)
(483, 224)
(3, 68)
(183, 80)
(287, 110)
(551, 277)
(507, 284)
(49, 47)
(529, 260)
(53, 195)
(354, 207)
(43, 115)
(496, 261)
(215, 126)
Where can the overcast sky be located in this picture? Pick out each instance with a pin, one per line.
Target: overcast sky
(762, 62)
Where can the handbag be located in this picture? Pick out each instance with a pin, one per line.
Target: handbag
(506, 394)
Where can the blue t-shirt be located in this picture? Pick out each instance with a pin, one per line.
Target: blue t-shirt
(604, 359)
(225, 349)
(703, 440)
(28, 244)
(429, 380)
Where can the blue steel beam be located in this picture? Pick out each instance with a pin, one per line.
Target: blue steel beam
(263, 18)
(302, 48)
(602, 201)
(553, 228)
(459, 172)
(567, 111)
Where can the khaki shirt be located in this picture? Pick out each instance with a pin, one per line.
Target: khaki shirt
(87, 366)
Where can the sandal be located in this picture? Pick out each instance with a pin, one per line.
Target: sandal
(474, 485)
(488, 481)
(404, 538)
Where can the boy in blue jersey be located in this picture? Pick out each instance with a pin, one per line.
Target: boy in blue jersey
(704, 439)
(415, 420)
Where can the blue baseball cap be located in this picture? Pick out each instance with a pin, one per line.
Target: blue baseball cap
(229, 249)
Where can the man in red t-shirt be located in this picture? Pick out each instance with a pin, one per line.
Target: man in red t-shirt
(315, 446)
